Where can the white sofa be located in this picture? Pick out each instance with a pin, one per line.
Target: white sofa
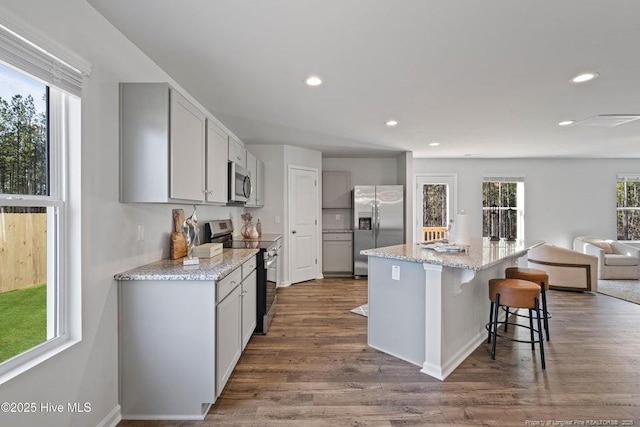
(615, 260)
(568, 270)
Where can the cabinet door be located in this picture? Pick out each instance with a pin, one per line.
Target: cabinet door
(217, 177)
(260, 184)
(228, 336)
(253, 173)
(337, 256)
(237, 152)
(249, 307)
(187, 150)
(336, 190)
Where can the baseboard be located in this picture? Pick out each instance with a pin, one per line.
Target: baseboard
(112, 419)
(284, 284)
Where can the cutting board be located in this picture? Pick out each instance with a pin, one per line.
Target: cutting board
(178, 243)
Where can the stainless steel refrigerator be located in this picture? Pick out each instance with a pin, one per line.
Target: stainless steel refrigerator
(378, 220)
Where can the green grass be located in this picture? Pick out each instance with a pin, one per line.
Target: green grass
(23, 320)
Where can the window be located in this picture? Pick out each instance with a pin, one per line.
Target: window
(503, 207)
(434, 207)
(39, 116)
(628, 207)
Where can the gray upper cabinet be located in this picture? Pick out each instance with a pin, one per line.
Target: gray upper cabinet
(336, 190)
(216, 166)
(259, 185)
(162, 145)
(237, 152)
(252, 167)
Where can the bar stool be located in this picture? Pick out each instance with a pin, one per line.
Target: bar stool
(537, 276)
(515, 293)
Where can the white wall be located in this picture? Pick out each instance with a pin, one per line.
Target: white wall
(88, 372)
(564, 198)
(405, 177)
(277, 159)
(374, 171)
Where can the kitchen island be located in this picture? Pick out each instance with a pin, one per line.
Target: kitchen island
(429, 308)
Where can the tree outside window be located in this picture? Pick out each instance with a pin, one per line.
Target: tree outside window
(502, 209)
(628, 207)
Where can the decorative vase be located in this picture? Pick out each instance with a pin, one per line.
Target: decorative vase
(249, 231)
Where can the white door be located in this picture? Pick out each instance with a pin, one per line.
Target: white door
(303, 224)
(435, 202)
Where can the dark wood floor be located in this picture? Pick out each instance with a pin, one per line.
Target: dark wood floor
(314, 368)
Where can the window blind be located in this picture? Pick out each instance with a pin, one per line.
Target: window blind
(19, 51)
(503, 178)
(629, 177)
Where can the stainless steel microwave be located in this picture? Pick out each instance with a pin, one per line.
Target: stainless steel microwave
(239, 183)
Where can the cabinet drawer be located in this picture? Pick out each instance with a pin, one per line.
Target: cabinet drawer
(228, 284)
(337, 236)
(248, 267)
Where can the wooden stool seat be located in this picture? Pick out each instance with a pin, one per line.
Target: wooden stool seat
(531, 274)
(534, 275)
(515, 293)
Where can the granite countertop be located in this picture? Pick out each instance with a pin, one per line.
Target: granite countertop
(482, 254)
(328, 230)
(214, 268)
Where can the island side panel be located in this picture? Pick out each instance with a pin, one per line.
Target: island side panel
(167, 348)
(396, 323)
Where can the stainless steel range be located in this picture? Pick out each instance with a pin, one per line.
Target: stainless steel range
(221, 231)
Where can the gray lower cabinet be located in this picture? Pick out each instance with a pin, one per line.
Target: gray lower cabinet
(179, 341)
(228, 336)
(337, 254)
(236, 319)
(249, 303)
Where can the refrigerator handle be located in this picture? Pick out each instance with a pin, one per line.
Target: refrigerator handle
(377, 223)
(373, 223)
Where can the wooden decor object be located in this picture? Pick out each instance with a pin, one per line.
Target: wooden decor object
(178, 243)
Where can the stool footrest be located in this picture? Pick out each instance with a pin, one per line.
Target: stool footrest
(515, 313)
(506, 337)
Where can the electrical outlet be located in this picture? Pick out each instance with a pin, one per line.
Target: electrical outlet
(140, 232)
(276, 220)
(337, 217)
(395, 272)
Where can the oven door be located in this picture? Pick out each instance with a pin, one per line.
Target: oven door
(240, 186)
(271, 270)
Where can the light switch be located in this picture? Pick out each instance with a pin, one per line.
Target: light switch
(337, 217)
(395, 272)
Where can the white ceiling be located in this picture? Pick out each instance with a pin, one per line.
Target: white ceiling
(489, 78)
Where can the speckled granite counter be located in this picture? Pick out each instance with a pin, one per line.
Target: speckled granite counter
(214, 268)
(481, 255)
(326, 230)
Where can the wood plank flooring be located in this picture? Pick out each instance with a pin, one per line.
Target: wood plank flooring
(314, 368)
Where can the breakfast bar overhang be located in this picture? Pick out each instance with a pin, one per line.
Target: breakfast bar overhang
(430, 308)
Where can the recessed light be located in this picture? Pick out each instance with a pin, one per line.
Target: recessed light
(566, 123)
(313, 81)
(392, 123)
(434, 144)
(584, 77)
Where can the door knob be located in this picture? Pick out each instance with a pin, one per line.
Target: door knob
(293, 232)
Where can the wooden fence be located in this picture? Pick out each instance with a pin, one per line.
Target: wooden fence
(23, 250)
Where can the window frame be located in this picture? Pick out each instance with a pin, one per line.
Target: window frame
(519, 180)
(57, 282)
(625, 178)
(34, 54)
